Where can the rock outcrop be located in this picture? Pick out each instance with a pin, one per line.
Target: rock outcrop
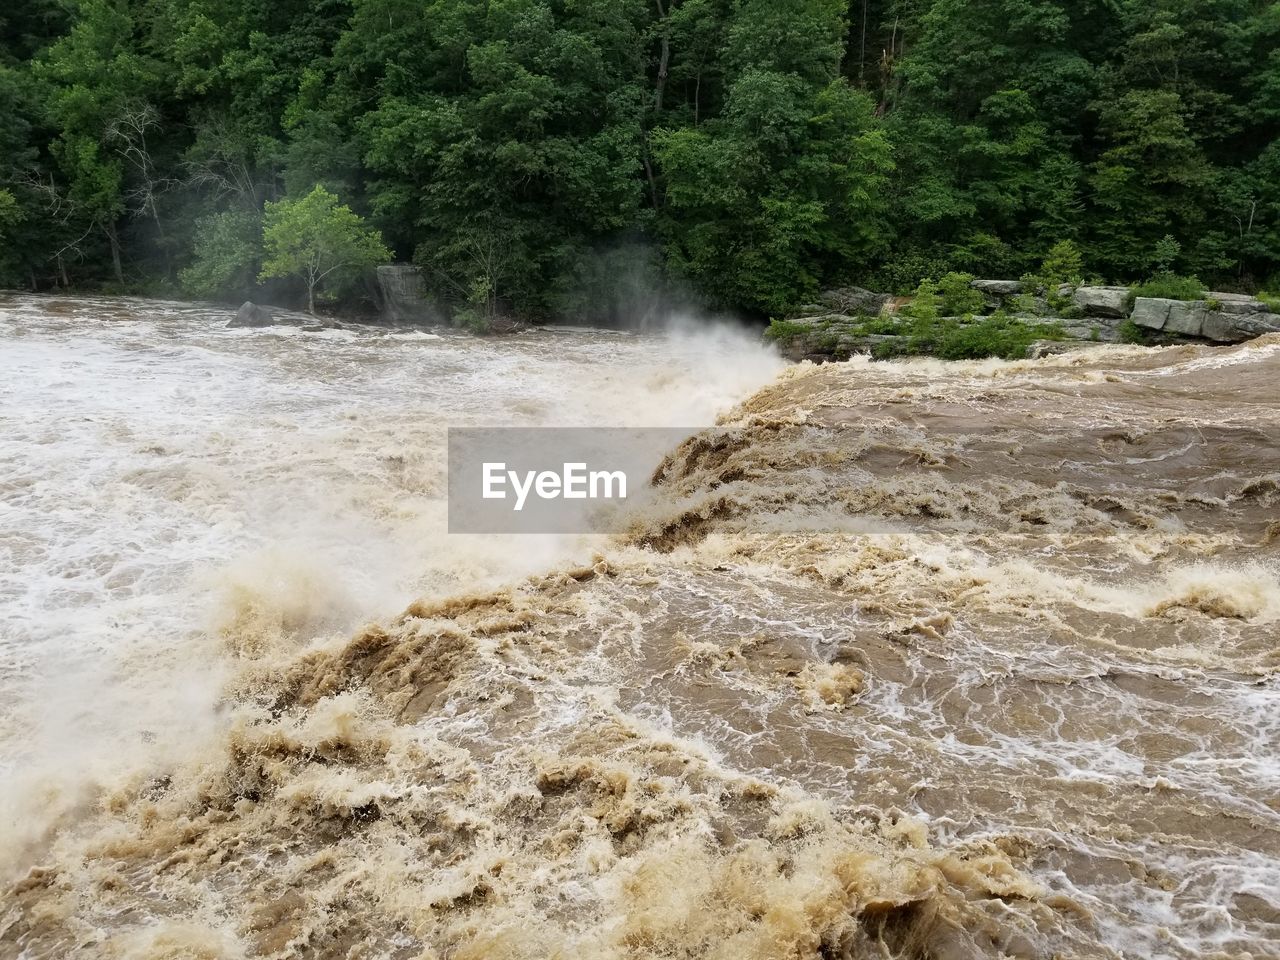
(405, 298)
(844, 323)
(1206, 318)
(998, 288)
(854, 301)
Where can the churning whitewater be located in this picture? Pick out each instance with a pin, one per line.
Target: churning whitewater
(905, 659)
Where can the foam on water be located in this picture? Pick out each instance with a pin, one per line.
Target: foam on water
(167, 483)
(908, 660)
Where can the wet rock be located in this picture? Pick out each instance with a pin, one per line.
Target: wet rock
(251, 314)
(1102, 301)
(1195, 319)
(505, 326)
(1224, 327)
(1088, 329)
(1053, 348)
(831, 337)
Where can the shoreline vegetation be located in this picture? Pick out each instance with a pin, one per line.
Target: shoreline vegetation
(609, 162)
(1049, 311)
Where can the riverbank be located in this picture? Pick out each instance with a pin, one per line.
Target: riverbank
(973, 318)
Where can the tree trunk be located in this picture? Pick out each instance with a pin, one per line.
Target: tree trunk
(649, 174)
(664, 61)
(862, 48)
(311, 298)
(164, 241)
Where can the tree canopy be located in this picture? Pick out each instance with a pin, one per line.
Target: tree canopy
(538, 156)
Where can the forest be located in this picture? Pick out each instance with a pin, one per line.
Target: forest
(556, 158)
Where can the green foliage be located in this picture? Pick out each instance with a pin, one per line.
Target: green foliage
(1062, 264)
(1270, 300)
(320, 241)
(1130, 332)
(10, 212)
(228, 248)
(751, 151)
(951, 296)
(949, 338)
(926, 305)
(783, 191)
(781, 331)
(1169, 286)
(1167, 252)
(958, 297)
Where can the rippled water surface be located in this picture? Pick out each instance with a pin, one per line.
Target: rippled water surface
(912, 659)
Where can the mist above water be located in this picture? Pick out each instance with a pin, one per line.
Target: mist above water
(170, 485)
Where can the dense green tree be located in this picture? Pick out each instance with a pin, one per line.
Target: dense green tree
(550, 157)
(986, 120)
(781, 192)
(227, 251)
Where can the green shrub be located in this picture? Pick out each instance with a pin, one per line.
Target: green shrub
(879, 326)
(780, 330)
(1130, 332)
(1062, 264)
(998, 335)
(1025, 303)
(925, 304)
(1169, 286)
(1167, 252)
(958, 297)
(1270, 300)
(903, 273)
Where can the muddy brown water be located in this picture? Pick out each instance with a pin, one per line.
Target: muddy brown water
(904, 660)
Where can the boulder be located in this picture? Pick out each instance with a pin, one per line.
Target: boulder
(854, 301)
(1102, 301)
(998, 288)
(1183, 317)
(505, 326)
(251, 314)
(1093, 329)
(1151, 313)
(1195, 319)
(1053, 348)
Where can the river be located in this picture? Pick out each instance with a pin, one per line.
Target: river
(909, 659)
